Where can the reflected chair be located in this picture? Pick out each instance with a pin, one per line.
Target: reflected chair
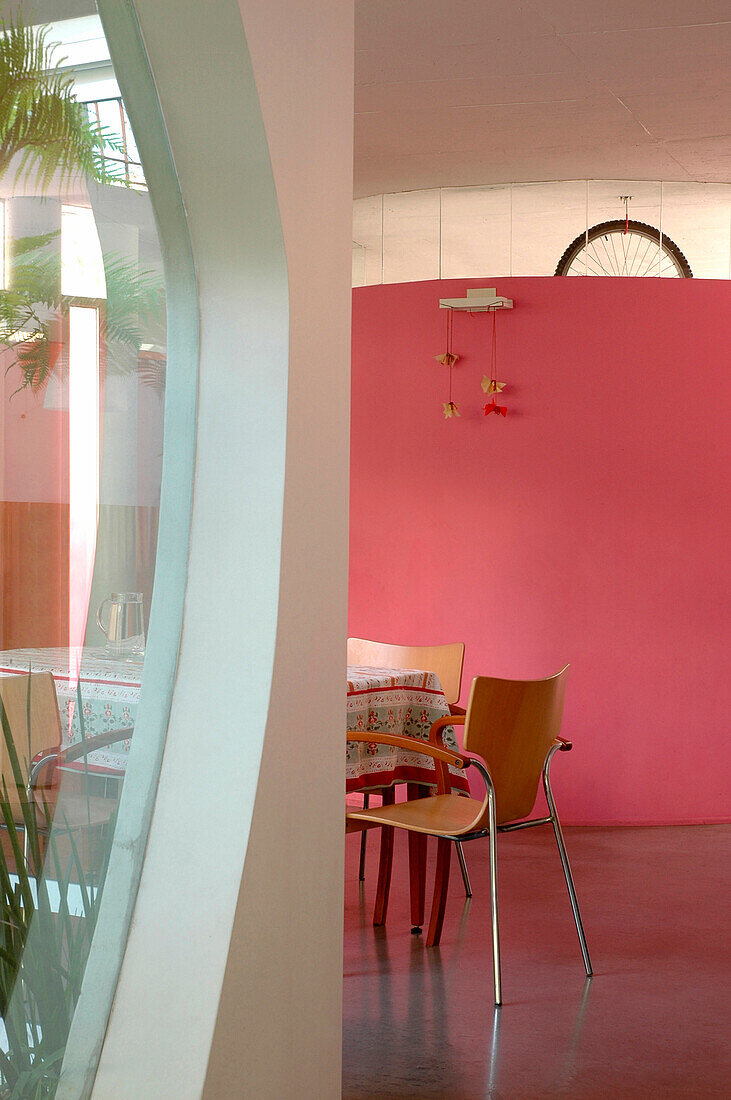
(511, 736)
(447, 662)
(31, 709)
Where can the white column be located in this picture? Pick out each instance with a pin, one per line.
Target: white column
(231, 980)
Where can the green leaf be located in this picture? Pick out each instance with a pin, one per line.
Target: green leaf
(44, 131)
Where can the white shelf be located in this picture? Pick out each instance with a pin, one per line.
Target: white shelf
(485, 299)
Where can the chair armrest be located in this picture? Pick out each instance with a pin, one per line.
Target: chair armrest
(59, 757)
(90, 744)
(454, 709)
(40, 761)
(435, 730)
(411, 744)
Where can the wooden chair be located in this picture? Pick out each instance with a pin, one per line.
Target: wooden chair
(447, 662)
(511, 735)
(31, 708)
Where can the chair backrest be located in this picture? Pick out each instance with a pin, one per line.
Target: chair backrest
(44, 733)
(445, 660)
(512, 724)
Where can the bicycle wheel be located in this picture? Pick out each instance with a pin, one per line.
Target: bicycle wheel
(619, 248)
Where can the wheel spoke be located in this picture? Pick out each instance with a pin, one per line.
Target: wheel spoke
(647, 256)
(594, 257)
(612, 249)
(610, 255)
(642, 246)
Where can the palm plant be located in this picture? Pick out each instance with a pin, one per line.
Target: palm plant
(133, 313)
(46, 133)
(43, 129)
(44, 943)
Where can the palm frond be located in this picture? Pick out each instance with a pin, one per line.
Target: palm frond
(134, 311)
(44, 130)
(134, 298)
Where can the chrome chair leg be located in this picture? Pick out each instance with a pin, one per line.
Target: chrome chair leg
(492, 822)
(463, 868)
(363, 835)
(493, 896)
(566, 866)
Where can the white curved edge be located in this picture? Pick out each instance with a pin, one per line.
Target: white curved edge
(159, 1033)
(140, 786)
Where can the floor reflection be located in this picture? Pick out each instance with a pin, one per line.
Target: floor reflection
(652, 1021)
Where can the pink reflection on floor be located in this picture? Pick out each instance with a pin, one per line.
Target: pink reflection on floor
(653, 1022)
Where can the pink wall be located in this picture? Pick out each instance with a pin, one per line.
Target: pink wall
(589, 526)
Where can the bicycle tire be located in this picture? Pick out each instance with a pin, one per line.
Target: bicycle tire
(614, 228)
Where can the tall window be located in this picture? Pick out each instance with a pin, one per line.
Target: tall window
(82, 370)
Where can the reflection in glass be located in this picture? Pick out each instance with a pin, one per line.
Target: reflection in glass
(82, 263)
(83, 356)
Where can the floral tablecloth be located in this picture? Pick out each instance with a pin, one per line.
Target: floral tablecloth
(108, 687)
(401, 701)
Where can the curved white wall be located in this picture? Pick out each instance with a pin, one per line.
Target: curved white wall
(231, 985)
(278, 1032)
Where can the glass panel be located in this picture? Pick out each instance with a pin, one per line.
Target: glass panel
(410, 236)
(526, 229)
(82, 263)
(368, 241)
(83, 348)
(606, 202)
(698, 220)
(546, 218)
(475, 232)
(2, 246)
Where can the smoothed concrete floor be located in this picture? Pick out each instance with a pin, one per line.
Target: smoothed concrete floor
(654, 1021)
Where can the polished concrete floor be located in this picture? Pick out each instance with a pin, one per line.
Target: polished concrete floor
(654, 1021)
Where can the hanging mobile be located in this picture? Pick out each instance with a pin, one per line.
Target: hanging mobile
(448, 358)
(490, 384)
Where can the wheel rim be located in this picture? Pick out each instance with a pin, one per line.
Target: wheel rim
(621, 250)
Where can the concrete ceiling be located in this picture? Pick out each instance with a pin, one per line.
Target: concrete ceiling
(458, 92)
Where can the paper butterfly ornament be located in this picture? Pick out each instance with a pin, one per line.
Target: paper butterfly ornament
(490, 385)
(489, 382)
(449, 358)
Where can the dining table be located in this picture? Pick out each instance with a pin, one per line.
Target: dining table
(399, 701)
(99, 692)
(405, 702)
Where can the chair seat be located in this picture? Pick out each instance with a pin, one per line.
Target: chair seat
(73, 812)
(353, 826)
(442, 814)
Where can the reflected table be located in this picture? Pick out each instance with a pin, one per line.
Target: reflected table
(94, 690)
